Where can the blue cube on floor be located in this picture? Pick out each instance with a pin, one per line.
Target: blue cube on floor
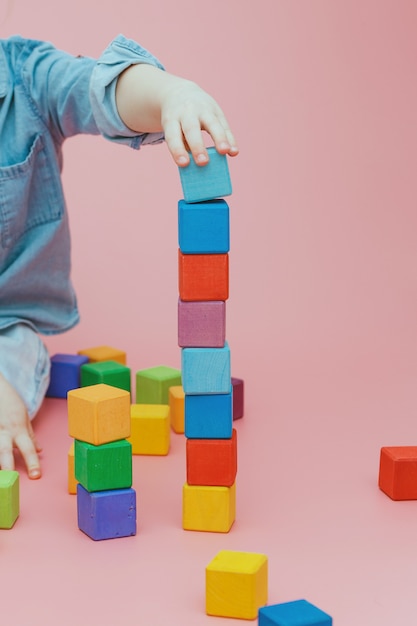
(206, 370)
(206, 182)
(65, 374)
(106, 514)
(208, 416)
(297, 613)
(203, 227)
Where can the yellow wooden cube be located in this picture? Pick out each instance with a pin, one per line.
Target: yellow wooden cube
(150, 429)
(211, 509)
(104, 353)
(72, 482)
(99, 414)
(176, 405)
(236, 584)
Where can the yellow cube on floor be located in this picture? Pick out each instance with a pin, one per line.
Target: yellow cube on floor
(176, 405)
(211, 509)
(236, 584)
(99, 414)
(104, 353)
(150, 429)
(72, 481)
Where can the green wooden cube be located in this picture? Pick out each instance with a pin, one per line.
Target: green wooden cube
(152, 384)
(107, 372)
(108, 466)
(9, 498)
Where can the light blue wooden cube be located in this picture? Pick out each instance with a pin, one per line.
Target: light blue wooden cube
(203, 227)
(297, 613)
(208, 416)
(206, 182)
(206, 370)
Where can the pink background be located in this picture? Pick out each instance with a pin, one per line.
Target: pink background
(321, 320)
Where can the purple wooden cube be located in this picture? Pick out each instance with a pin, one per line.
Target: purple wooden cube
(65, 374)
(201, 324)
(106, 514)
(238, 398)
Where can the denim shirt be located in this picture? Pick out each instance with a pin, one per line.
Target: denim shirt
(47, 95)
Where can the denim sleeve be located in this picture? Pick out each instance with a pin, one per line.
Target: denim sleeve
(115, 59)
(77, 95)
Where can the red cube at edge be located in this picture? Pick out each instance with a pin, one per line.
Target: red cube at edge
(398, 472)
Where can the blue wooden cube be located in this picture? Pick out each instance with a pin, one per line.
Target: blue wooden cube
(65, 374)
(206, 370)
(208, 416)
(206, 182)
(297, 613)
(106, 514)
(203, 227)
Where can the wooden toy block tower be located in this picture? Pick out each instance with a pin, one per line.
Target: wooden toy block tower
(203, 276)
(99, 422)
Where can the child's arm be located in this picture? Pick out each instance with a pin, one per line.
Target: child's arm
(150, 100)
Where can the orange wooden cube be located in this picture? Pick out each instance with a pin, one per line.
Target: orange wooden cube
(99, 414)
(212, 462)
(398, 472)
(176, 406)
(203, 277)
(104, 353)
(72, 481)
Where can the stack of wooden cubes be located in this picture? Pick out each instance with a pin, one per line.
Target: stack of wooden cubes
(99, 422)
(209, 496)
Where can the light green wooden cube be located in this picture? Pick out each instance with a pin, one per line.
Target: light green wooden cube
(152, 384)
(9, 498)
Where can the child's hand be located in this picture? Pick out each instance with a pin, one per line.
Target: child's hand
(16, 430)
(150, 100)
(186, 110)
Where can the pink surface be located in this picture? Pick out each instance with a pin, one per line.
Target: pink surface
(321, 318)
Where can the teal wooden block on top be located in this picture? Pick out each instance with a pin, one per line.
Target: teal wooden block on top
(108, 466)
(206, 370)
(297, 613)
(9, 498)
(206, 182)
(208, 416)
(107, 372)
(203, 227)
(153, 383)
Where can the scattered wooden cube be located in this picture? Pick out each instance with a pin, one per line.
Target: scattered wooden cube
(99, 414)
(9, 498)
(236, 584)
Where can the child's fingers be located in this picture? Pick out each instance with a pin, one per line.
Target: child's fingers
(175, 142)
(28, 451)
(6, 451)
(218, 129)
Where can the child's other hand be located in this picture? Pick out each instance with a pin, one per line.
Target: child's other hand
(16, 430)
(186, 111)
